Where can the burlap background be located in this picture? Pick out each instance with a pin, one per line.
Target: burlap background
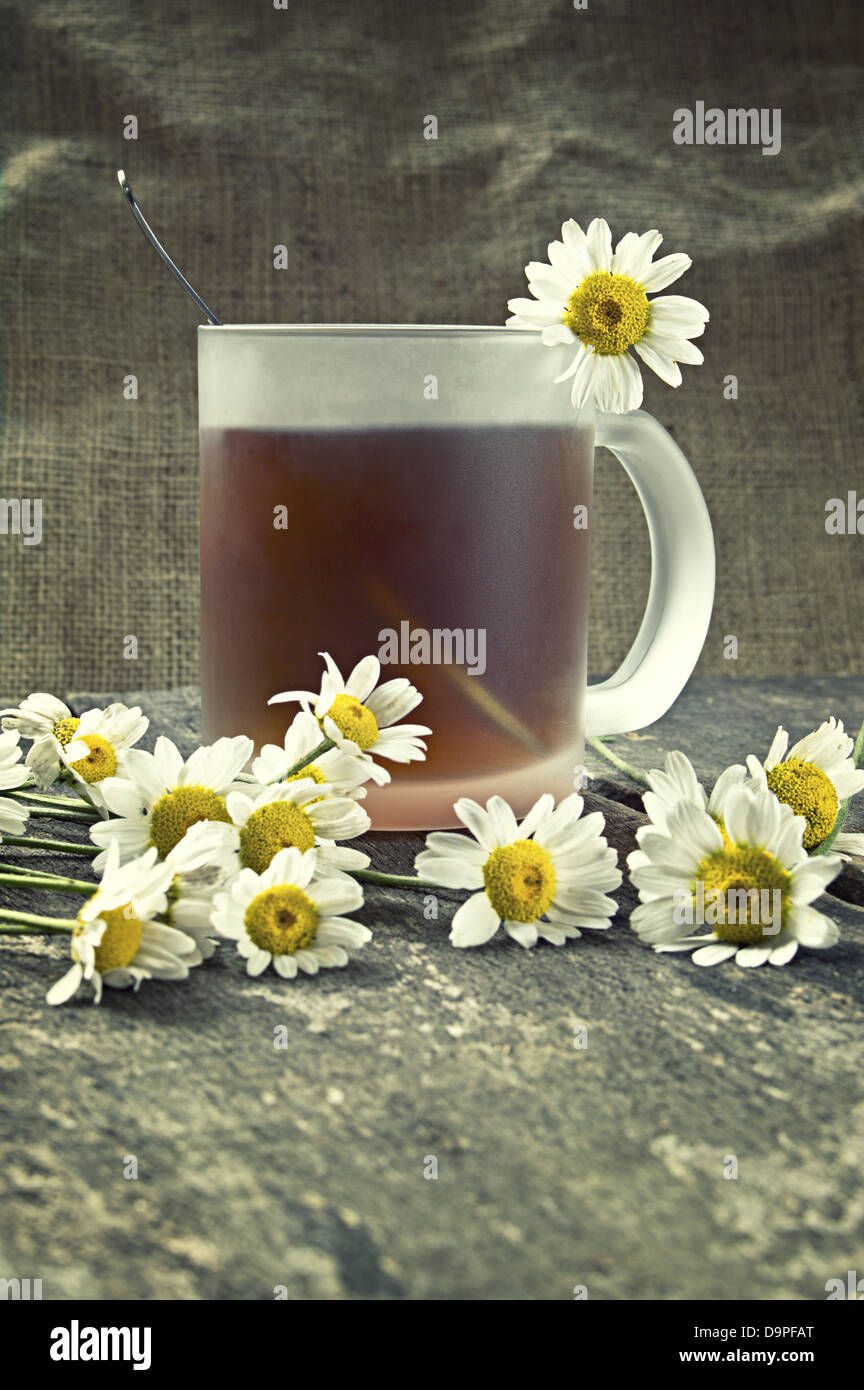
(259, 126)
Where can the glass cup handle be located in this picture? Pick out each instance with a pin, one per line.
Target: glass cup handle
(681, 595)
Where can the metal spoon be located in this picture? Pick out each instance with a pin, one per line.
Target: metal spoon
(154, 242)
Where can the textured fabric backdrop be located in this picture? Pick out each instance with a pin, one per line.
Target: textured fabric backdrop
(304, 126)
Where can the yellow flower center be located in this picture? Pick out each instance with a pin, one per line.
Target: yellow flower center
(120, 939)
(174, 812)
(740, 883)
(277, 825)
(310, 771)
(282, 920)
(520, 881)
(354, 720)
(608, 312)
(811, 794)
(100, 762)
(64, 730)
(314, 774)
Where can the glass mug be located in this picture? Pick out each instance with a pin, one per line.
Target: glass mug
(424, 494)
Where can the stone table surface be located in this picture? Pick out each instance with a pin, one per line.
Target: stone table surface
(557, 1166)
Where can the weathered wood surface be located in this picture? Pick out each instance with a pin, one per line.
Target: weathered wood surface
(557, 1166)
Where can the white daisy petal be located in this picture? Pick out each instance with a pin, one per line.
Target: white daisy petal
(630, 384)
(535, 314)
(782, 954)
(475, 922)
(477, 821)
(599, 240)
(777, 751)
(662, 366)
(363, 678)
(714, 954)
(66, 987)
(523, 932)
(753, 955)
(585, 379)
(581, 354)
(634, 253)
(674, 350)
(557, 334)
(662, 273)
(812, 929)
(538, 812)
(811, 877)
(448, 872)
(450, 844)
(502, 821)
(257, 962)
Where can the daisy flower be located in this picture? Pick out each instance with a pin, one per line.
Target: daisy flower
(751, 881)
(813, 777)
(597, 300)
(678, 782)
(300, 814)
(39, 715)
(203, 864)
(52, 726)
(118, 941)
(13, 815)
(290, 916)
(344, 772)
(360, 716)
(160, 795)
(545, 876)
(98, 746)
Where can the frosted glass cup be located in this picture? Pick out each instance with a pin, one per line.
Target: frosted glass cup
(424, 493)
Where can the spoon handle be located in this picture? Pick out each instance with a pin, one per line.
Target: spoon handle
(157, 245)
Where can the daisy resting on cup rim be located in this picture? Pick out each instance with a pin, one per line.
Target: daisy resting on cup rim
(596, 300)
(545, 876)
(750, 874)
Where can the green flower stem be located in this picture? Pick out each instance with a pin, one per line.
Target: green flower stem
(21, 871)
(323, 747)
(50, 883)
(857, 754)
(63, 846)
(31, 922)
(72, 803)
(633, 773)
(398, 880)
(57, 813)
